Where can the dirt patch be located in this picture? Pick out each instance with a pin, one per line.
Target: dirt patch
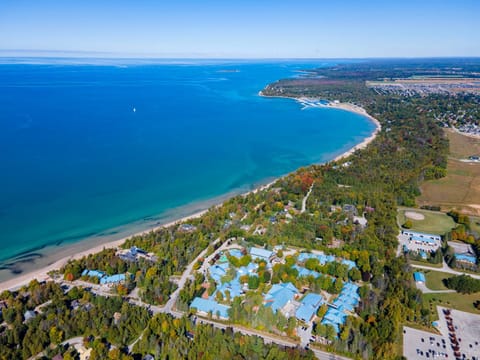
(414, 215)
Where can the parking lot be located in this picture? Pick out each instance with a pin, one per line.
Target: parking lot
(418, 344)
(413, 245)
(462, 327)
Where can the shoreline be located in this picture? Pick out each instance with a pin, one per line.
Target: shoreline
(77, 251)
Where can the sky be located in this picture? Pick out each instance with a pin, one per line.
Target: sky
(242, 29)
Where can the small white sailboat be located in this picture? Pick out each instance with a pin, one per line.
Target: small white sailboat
(134, 110)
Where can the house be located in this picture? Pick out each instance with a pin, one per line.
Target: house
(280, 295)
(304, 272)
(236, 253)
(206, 306)
(233, 287)
(28, 315)
(117, 317)
(463, 252)
(250, 270)
(309, 306)
(261, 254)
(419, 277)
(218, 271)
(348, 298)
(114, 279)
(93, 273)
(187, 228)
(350, 210)
(334, 318)
(350, 264)
(466, 258)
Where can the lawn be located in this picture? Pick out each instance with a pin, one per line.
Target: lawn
(475, 225)
(426, 263)
(463, 302)
(434, 223)
(435, 279)
(460, 189)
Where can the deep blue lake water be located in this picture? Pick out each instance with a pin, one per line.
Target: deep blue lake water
(87, 148)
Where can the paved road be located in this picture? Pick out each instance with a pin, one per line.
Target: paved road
(304, 201)
(169, 306)
(424, 289)
(186, 275)
(267, 338)
(445, 268)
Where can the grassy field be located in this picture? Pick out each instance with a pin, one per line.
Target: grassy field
(426, 263)
(435, 279)
(434, 222)
(457, 301)
(460, 189)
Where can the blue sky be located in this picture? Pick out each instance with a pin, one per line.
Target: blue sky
(245, 28)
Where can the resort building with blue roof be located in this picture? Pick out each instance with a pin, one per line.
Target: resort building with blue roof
(463, 252)
(114, 279)
(334, 318)
(279, 295)
(218, 271)
(206, 306)
(93, 273)
(250, 269)
(235, 253)
(468, 258)
(322, 258)
(104, 278)
(351, 264)
(304, 272)
(308, 307)
(234, 289)
(261, 254)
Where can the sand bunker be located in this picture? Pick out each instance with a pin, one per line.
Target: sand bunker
(414, 215)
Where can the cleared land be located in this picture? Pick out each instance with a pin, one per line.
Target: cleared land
(457, 301)
(435, 279)
(460, 189)
(434, 222)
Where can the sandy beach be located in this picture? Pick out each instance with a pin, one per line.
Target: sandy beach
(361, 111)
(78, 250)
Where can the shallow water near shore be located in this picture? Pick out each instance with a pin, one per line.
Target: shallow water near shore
(88, 148)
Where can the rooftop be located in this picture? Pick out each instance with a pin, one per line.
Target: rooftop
(206, 306)
(419, 276)
(309, 306)
(260, 253)
(279, 295)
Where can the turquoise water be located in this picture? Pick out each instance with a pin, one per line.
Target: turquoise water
(86, 147)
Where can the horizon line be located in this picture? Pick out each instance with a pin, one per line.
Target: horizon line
(84, 54)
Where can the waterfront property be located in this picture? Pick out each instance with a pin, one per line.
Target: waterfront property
(103, 278)
(134, 254)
